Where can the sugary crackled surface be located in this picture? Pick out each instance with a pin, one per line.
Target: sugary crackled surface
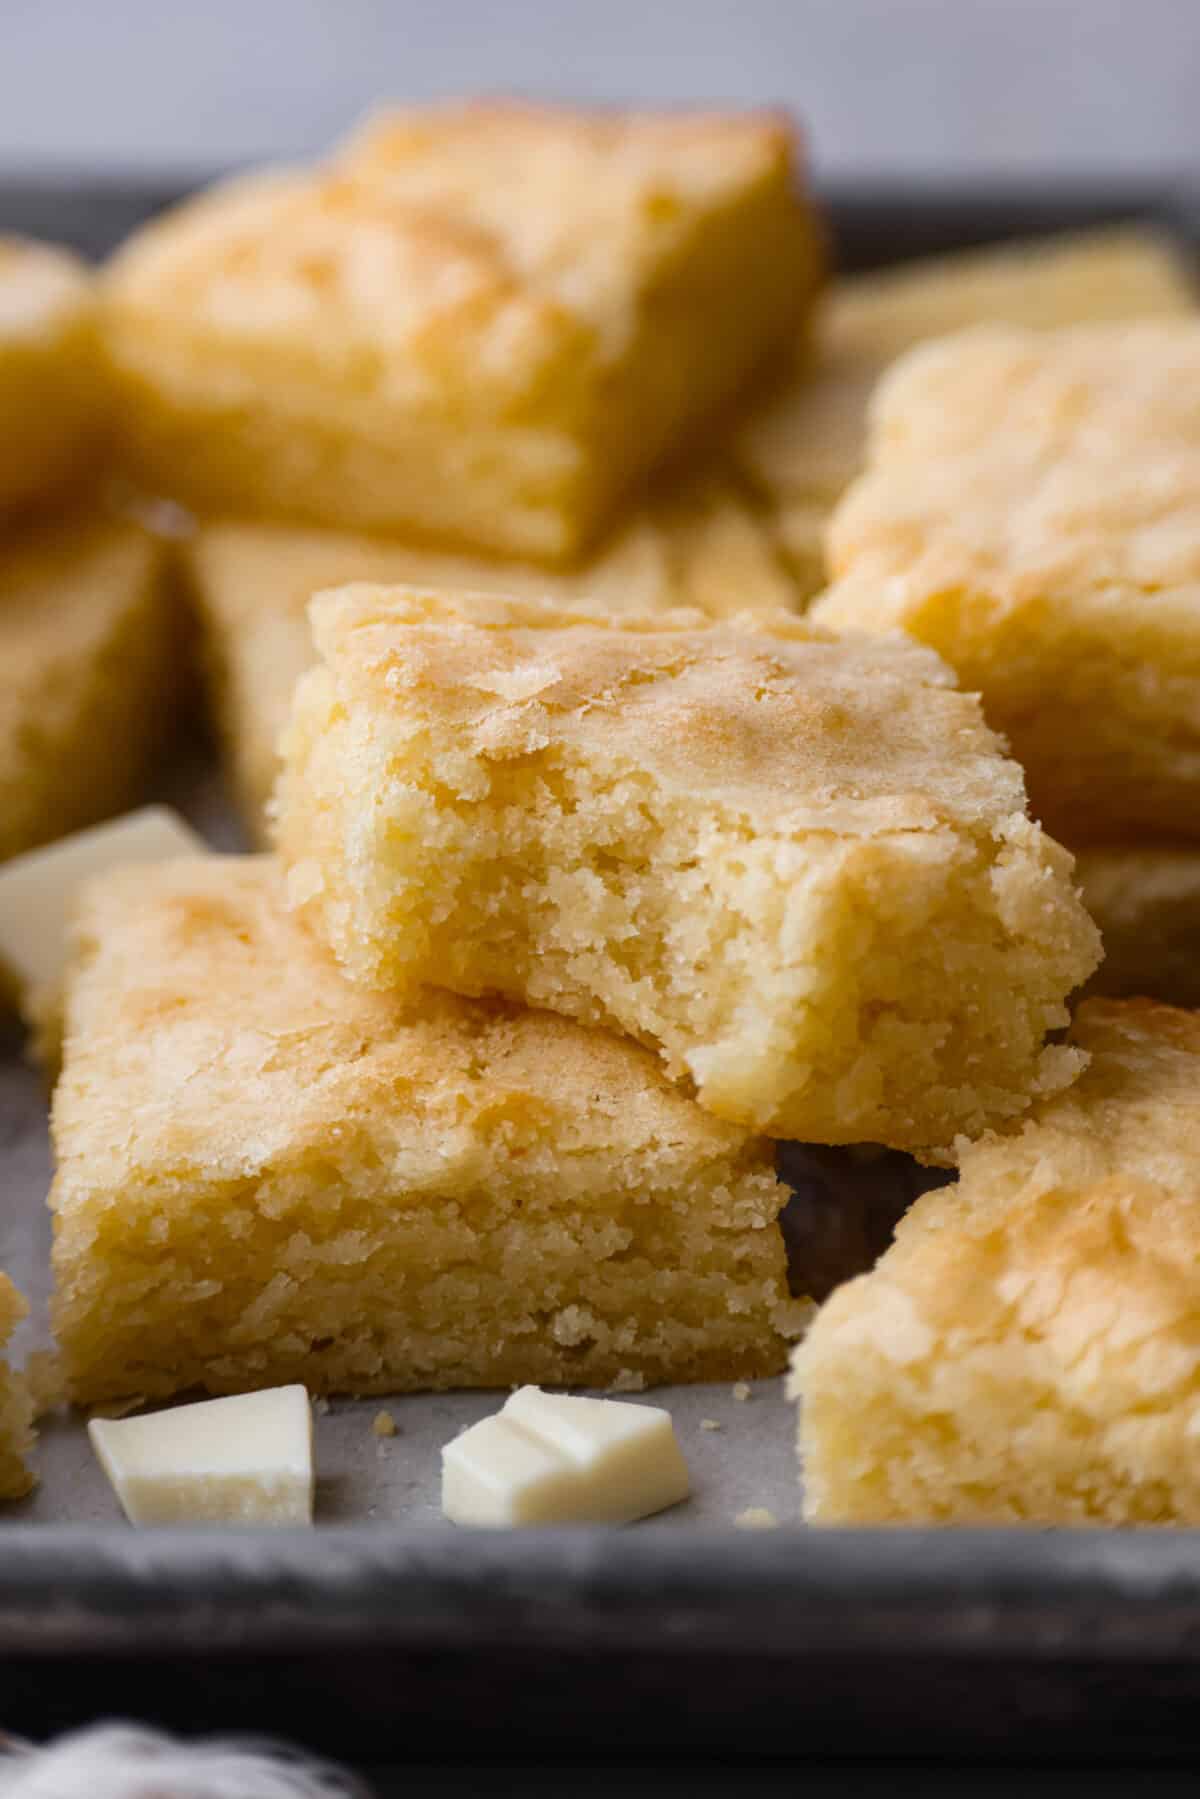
(746, 843)
(1146, 901)
(265, 1173)
(772, 714)
(808, 441)
(481, 322)
(583, 207)
(1029, 1349)
(87, 652)
(16, 1410)
(524, 227)
(275, 262)
(693, 542)
(50, 391)
(1033, 512)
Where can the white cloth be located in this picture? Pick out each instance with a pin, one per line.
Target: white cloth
(125, 1761)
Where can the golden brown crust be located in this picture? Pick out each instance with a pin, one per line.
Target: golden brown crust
(1028, 1349)
(483, 333)
(375, 1172)
(1032, 514)
(771, 714)
(639, 184)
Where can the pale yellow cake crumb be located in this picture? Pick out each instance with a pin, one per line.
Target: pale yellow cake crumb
(88, 649)
(265, 1175)
(710, 1424)
(1146, 901)
(485, 322)
(756, 1517)
(1031, 513)
(16, 1404)
(1029, 1348)
(800, 869)
(52, 399)
(695, 541)
(804, 445)
(383, 1425)
(741, 1391)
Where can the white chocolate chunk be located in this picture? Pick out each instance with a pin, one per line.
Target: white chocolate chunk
(37, 891)
(549, 1459)
(242, 1460)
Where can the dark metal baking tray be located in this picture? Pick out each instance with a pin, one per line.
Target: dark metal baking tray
(396, 1644)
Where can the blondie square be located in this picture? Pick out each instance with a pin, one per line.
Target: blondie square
(1029, 1348)
(16, 1403)
(805, 446)
(1033, 513)
(485, 322)
(51, 393)
(88, 648)
(266, 1175)
(694, 542)
(800, 870)
(1146, 902)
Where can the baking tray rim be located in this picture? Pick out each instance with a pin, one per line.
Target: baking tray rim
(1045, 1594)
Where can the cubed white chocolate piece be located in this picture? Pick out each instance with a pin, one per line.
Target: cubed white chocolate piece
(546, 1458)
(37, 891)
(246, 1459)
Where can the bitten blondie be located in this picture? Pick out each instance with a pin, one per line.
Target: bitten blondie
(266, 1175)
(1033, 513)
(801, 870)
(88, 651)
(484, 322)
(694, 542)
(808, 442)
(1029, 1348)
(16, 1403)
(1146, 902)
(51, 393)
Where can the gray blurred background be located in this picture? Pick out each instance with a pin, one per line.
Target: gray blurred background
(912, 89)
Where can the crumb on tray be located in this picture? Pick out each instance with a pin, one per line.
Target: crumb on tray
(756, 1517)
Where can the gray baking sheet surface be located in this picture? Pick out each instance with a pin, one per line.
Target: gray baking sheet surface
(361, 1478)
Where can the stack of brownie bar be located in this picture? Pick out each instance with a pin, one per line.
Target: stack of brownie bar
(579, 905)
(592, 867)
(582, 898)
(573, 915)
